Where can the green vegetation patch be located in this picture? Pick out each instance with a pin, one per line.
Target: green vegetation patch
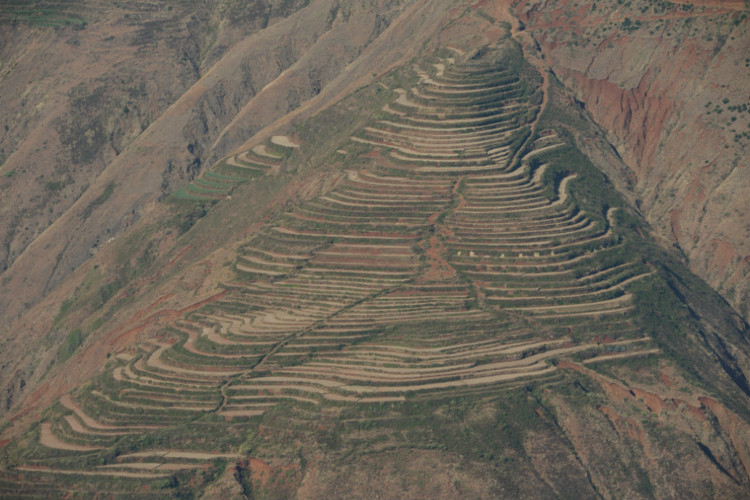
(72, 341)
(50, 13)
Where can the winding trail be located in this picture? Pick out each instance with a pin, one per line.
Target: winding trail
(137, 475)
(47, 438)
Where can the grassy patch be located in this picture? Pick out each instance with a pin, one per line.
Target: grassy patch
(99, 201)
(72, 341)
(52, 14)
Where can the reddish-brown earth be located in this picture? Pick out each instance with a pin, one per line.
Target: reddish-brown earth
(662, 91)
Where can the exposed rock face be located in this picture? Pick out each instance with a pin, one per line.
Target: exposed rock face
(669, 83)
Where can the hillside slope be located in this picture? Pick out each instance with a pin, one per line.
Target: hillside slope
(47, 236)
(80, 172)
(66, 118)
(427, 275)
(669, 82)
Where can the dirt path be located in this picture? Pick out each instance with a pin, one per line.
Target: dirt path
(608, 357)
(258, 270)
(261, 150)
(427, 16)
(253, 168)
(165, 316)
(47, 438)
(91, 473)
(583, 307)
(616, 287)
(77, 427)
(155, 360)
(541, 67)
(68, 403)
(284, 141)
(154, 466)
(123, 404)
(543, 370)
(191, 347)
(191, 455)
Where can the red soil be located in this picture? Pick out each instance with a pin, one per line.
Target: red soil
(267, 477)
(89, 359)
(162, 317)
(623, 425)
(179, 255)
(652, 112)
(150, 308)
(652, 401)
(723, 252)
(695, 411)
(666, 379)
(439, 268)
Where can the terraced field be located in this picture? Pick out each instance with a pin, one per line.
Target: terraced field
(218, 182)
(445, 265)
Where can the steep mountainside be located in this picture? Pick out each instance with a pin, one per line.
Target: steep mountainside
(83, 166)
(76, 92)
(411, 282)
(254, 79)
(670, 83)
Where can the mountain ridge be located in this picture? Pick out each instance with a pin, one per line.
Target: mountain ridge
(486, 307)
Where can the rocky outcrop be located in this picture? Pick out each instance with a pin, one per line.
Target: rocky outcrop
(664, 80)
